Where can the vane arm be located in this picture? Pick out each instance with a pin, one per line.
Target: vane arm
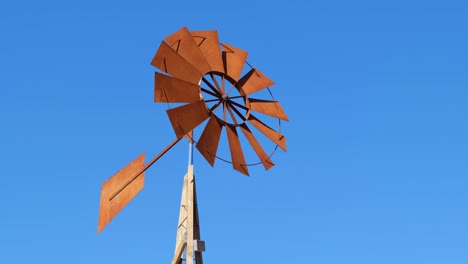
(146, 167)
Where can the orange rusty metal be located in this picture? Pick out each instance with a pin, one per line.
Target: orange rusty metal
(208, 43)
(274, 136)
(209, 139)
(111, 206)
(187, 117)
(267, 163)
(168, 60)
(172, 90)
(120, 189)
(237, 156)
(184, 44)
(271, 108)
(234, 60)
(190, 59)
(254, 81)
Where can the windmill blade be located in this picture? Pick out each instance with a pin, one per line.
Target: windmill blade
(274, 136)
(187, 117)
(119, 190)
(271, 108)
(267, 163)
(234, 60)
(237, 156)
(172, 90)
(184, 44)
(208, 43)
(254, 81)
(209, 139)
(168, 60)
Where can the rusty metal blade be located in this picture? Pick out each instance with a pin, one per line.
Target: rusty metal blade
(169, 61)
(254, 81)
(208, 43)
(209, 140)
(109, 208)
(267, 163)
(187, 117)
(184, 44)
(271, 108)
(237, 156)
(274, 136)
(234, 60)
(173, 90)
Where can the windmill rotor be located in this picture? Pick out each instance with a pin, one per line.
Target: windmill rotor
(199, 71)
(209, 86)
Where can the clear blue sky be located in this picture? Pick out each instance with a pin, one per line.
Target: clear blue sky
(377, 164)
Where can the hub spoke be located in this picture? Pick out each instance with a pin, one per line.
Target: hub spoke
(211, 86)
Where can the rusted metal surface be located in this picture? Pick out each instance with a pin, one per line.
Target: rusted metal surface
(267, 163)
(187, 117)
(234, 60)
(173, 90)
(184, 44)
(120, 189)
(254, 81)
(195, 65)
(237, 156)
(274, 136)
(209, 140)
(145, 168)
(208, 42)
(271, 108)
(202, 50)
(111, 206)
(169, 61)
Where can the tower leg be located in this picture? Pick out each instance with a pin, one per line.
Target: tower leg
(188, 228)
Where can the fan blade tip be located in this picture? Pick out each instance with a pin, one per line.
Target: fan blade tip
(210, 158)
(243, 169)
(268, 164)
(283, 146)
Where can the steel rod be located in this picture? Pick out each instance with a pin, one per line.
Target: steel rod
(146, 167)
(216, 83)
(237, 111)
(190, 157)
(210, 93)
(211, 86)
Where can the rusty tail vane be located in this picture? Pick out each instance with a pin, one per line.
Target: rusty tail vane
(123, 186)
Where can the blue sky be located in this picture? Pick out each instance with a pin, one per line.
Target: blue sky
(376, 168)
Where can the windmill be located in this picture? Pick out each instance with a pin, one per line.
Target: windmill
(206, 81)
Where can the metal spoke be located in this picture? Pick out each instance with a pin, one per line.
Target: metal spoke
(216, 82)
(210, 93)
(232, 114)
(224, 111)
(223, 84)
(230, 89)
(238, 105)
(210, 85)
(213, 108)
(237, 112)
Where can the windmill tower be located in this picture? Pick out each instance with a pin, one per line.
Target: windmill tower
(207, 78)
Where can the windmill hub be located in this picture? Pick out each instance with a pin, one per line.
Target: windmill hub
(223, 98)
